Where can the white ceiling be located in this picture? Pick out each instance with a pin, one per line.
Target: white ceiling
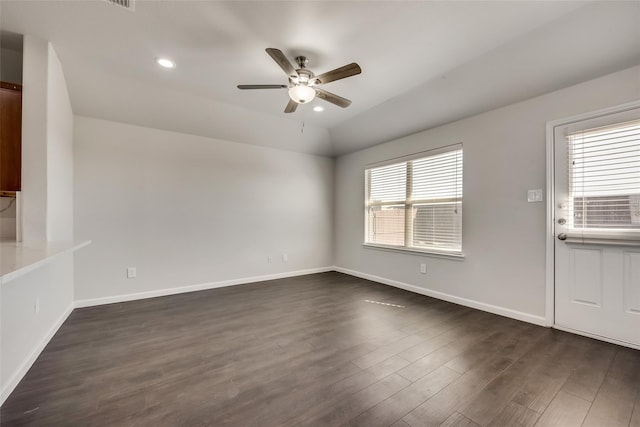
(424, 63)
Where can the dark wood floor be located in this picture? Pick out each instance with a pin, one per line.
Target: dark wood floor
(320, 350)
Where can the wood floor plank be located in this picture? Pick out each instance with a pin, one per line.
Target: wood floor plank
(500, 391)
(342, 391)
(440, 313)
(311, 350)
(388, 366)
(487, 362)
(515, 415)
(613, 405)
(565, 410)
(437, 409)
(273, 403)
(445, 354)
(443, 335)
(344, 411)
(395, 407)
(541, 386)
(589, 371)
(386, 351)
(458, 420)
(635, 417)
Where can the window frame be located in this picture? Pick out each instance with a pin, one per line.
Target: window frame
(408, 204)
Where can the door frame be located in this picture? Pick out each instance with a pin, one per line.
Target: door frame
(550, 230)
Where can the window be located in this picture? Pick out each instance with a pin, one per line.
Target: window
(604, 178)
(416, 204)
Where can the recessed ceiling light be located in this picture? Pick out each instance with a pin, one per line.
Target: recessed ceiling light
(166, 63)
(318, 108)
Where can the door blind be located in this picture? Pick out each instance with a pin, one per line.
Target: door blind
(416, 204)
(604, 178)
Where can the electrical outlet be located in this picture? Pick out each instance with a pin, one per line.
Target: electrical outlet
(423, 268)
(269, 260)
(131, 273)
(36, 306)
(285, 257)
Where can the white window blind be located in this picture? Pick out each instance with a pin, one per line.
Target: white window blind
(604, 178)
(416, 204)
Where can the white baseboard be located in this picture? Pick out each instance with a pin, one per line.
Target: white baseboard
(31, 358)
(502, 311)
(194, 288)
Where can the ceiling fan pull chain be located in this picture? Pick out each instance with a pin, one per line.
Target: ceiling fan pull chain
(302, 128)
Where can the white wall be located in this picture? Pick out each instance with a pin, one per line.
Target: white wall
(503, 235)
(59, 154)
(34, 139)
(47, 146)
(187, 210)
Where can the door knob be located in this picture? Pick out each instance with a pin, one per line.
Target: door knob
(562, 236)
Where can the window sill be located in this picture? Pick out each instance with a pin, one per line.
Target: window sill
(444, 255)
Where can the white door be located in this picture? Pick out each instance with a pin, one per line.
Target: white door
(597, 226)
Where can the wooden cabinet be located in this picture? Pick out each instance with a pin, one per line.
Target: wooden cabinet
(10, 136)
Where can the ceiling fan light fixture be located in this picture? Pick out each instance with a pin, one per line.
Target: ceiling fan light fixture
(165, 63)
(302, 94)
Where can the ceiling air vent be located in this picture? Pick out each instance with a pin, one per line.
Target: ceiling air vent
(126, 4)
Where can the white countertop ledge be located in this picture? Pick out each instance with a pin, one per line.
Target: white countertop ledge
(18, 258)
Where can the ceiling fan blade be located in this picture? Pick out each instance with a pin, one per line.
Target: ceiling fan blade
(339, 73)
(291, 106)
(282, 61)
(262, 86)
(332, 98)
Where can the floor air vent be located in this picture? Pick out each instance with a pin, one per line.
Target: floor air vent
(126, 4)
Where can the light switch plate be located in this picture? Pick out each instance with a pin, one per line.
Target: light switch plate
(534, 195)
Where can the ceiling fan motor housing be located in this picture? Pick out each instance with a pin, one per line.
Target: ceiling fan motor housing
(305, 77)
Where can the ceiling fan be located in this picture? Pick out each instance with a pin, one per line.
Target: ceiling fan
(303, 83)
